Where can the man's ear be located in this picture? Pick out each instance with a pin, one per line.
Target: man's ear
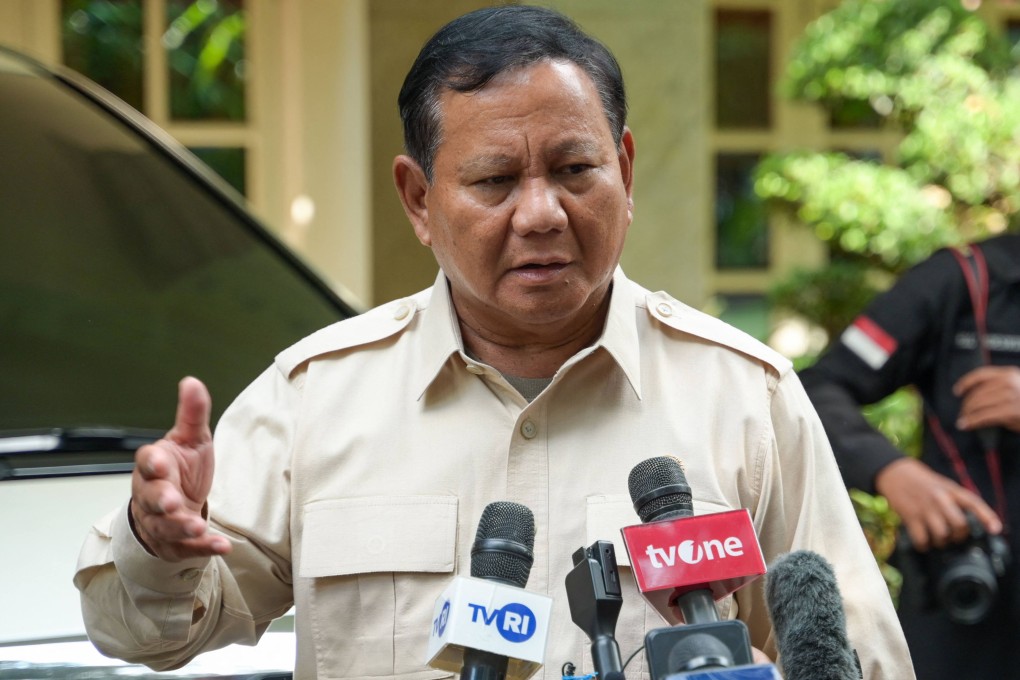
(412, 187)
(626, 158)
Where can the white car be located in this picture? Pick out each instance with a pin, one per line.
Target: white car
(125, 265)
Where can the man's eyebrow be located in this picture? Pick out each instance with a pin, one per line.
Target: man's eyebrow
(579, 146)
(483, 164)
(496, 162)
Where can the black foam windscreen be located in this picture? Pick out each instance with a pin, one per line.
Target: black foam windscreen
(699, 651)
(806, 609)
(504, 543)
(659, 489)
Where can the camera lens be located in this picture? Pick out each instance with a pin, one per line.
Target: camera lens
(968, 588)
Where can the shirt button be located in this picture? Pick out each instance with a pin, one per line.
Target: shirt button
(401, 312)
(190, 574)
(664, 308)
(529, 429)
(475, 368)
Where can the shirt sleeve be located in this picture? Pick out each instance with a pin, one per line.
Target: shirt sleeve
(892, 344)
(142, 609)
(804, 506)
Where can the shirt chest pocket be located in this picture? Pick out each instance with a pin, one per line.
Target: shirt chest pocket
(370, 571)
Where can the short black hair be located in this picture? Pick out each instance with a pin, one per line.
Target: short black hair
(471, 50)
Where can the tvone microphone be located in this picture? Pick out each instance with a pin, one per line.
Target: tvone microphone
(595, 599)
(806, 609)
(682, 564)
(486, 626)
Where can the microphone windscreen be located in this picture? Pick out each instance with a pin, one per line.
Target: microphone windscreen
(698, 651)
(806, 609)
(504, 543)
(659, 489)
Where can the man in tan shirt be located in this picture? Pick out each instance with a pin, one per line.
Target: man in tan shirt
(351, 474)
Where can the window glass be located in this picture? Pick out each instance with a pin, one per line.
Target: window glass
(121, 272)
(102, 39)
(740, 216)
(1013, 36)
(743, 83)
(748, 312)
(205, 51)
(228, 162)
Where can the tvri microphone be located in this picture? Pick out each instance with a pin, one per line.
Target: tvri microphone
(682, 565)
(486, 626)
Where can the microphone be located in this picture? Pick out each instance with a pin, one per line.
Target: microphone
(710, 656)
(595, 599)
(803, 601)
(486, 626)
(682, 564)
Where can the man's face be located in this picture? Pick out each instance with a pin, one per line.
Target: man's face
(530, 200)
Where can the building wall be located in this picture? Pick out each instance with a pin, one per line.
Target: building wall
(323, 129)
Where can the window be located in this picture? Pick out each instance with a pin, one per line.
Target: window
(753, 247)
(740, 217)
(743, 48)
(194, 83)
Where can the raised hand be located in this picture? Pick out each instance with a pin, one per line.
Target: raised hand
(171, 482)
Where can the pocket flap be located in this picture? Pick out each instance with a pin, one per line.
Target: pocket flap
(347, 536)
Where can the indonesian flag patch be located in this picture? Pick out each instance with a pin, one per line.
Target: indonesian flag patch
(869, 342)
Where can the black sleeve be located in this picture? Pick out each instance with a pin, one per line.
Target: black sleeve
(892, 344)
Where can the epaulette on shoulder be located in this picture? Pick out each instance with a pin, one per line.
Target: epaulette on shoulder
(675, 314)
(376, 324)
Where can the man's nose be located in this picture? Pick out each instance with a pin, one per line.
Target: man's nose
(539, 207)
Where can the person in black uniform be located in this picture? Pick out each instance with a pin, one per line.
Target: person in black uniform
(951, 328)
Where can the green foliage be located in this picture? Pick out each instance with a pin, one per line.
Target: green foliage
(205, 41)
(830, 297)
(865, 50)
(933, 71)
(880, 524)
(103, 40)
(898, 416)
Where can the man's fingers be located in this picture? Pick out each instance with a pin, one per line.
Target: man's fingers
(154, 461)
(191, 424)
(983, 512)
(973, 378)
(156, 498)
(917, 530)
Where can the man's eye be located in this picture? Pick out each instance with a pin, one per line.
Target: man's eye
(576, 168)
(496, 181)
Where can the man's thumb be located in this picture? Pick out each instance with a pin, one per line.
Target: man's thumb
(191, 425)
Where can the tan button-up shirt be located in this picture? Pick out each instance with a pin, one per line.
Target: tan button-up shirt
(351, 475)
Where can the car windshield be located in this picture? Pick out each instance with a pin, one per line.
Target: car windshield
(121, 271)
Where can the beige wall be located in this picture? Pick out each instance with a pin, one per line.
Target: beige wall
(662, 49)
(398, 29)
(669, 232)
(32, 27)
(312, 111)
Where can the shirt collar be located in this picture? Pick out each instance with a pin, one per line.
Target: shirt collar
(441, 336)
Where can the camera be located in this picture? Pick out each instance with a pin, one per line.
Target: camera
(962, 579)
